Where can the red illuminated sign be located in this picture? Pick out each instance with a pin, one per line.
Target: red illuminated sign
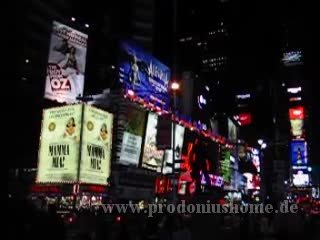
(163, 185)
(296, 113)
(244, 119)
(95, 189)
(45, 189)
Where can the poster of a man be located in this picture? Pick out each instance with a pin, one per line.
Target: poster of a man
(137, 67)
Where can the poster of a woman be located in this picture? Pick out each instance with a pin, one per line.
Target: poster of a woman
(103, 134)
(70, 130)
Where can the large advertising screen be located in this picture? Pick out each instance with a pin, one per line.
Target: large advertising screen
(179, 136)
(96, 146)
(59, 144)
(152, 157)
(66, 64)
(145, 75)
(132, 136)
(299, 153)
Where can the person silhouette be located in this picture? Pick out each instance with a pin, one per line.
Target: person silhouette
(299, 156)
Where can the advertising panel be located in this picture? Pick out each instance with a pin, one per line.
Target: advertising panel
(296, 113)
(296, 127)
(152, 157)
(143, 74)
(96, 146)
(300, 179)
(163, 185)
(179, 136)
(299, 153)
(225, 165)
(211, 180)
(186, 184)
(66, 64)
(132, 136)
(256, 161)
(292, 58)
(243, 119)
(253, 181)
(59, 144)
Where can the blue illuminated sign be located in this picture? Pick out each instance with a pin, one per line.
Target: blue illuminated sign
(299, 153)
(144, 75)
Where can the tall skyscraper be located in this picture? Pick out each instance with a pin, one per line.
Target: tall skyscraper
(204, 51)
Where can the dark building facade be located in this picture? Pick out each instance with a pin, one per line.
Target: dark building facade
(204, 50)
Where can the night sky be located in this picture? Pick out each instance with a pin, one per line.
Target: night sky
(258, 37)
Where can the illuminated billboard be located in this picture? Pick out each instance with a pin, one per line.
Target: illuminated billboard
(62, 142)
(152, 157)
(256, 161)
(134, 123)
(292, 58)
(179, 137)
(300, 179)
(66, 64)
(296, 113)
(143, 74)
(163, 185)
(59, 144)
(297, 129)
(294, 90)
(243, 119)
(225, 165)
(299, 153)
(253, 181)
(211, 180)
(96, 146)
(296, 116)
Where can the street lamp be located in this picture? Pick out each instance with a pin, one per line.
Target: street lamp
(130, 93)
(175, 86)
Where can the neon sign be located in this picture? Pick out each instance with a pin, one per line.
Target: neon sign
(212, 180)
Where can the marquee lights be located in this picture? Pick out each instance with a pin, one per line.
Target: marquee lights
(200, 128)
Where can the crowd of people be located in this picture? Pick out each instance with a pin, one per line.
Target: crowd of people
(43, 222)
